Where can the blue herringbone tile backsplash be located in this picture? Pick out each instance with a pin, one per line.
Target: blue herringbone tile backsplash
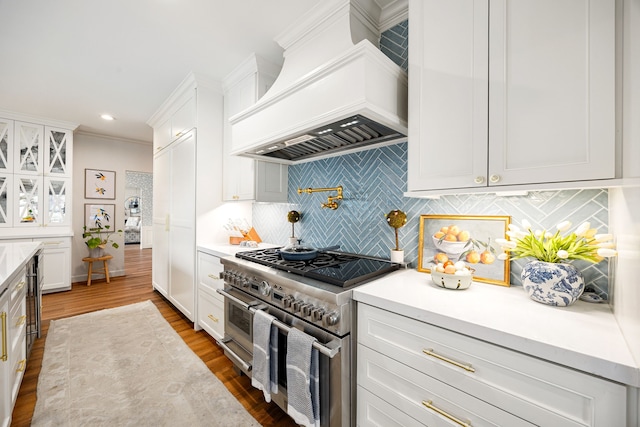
(374, 182)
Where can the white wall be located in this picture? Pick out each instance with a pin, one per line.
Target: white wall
(96, 152)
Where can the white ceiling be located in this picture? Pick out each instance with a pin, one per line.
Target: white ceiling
(74, 60)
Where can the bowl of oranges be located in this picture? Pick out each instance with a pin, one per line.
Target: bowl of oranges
(452, 275)
(451, 239)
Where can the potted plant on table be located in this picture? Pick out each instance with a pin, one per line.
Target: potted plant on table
(98, 238)
(549, 279)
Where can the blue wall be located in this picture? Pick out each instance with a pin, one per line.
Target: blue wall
(374, 182)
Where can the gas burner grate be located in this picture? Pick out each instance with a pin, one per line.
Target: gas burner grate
(338, 268)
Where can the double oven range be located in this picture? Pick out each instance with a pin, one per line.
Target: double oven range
(314, 296)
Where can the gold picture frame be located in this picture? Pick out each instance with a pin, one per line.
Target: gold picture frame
(474, 244)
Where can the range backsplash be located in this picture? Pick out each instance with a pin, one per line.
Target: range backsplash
(374, 182)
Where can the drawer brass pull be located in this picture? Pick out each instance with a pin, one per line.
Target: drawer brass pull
(215, 319)
(22, 365)
(5, 356)
(21, 320)
(431, 353)
(20, 285)
(429, 404)
(213, 276)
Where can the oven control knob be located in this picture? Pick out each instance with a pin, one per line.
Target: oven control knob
(317, 314)
(297, 304)
(332, 318)
(306, 310)
(265, 288)
(286, 301)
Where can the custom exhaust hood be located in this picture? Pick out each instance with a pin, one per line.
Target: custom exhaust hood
(336, 93)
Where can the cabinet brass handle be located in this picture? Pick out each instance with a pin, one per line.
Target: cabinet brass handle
(494, 178)
(211, 316)
(21, 320)
(5, 356)
(213, 276)
(430, 352)
(51, 243)
(22, 365)
(20, 285)
(479, 179)
(429, 404)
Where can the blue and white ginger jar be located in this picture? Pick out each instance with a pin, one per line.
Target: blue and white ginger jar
(550, 283)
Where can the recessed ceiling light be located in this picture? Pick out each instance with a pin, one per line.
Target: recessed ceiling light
(107, 117)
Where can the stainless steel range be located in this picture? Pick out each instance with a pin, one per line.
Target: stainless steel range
(314, 296)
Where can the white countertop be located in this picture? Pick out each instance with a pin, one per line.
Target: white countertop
(14, 256)
(583, 336)
(222, 250)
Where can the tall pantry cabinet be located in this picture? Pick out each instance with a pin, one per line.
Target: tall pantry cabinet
(187, 142)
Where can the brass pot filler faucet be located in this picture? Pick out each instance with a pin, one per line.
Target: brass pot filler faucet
(331, 200)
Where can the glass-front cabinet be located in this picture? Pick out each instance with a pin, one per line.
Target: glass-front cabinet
(35, 174)
(55, 201)
(6, 145)
(58, 151)
(28, 197)
(29, 148)
(6, 186)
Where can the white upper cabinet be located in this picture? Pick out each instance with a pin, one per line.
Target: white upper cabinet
(6, 145)
(58, 152)
(29, 148)
(36, 170)
(522, 92)
(180, 119)
(244, 178)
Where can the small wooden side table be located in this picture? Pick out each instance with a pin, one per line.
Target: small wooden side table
(104, 270)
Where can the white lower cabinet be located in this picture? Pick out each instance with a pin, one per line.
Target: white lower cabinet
(13, 357)
(439, 377)
(57, 263)
(5, 402)
(210, 313)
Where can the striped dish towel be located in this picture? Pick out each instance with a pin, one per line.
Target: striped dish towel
(264, 374)
(303, 382)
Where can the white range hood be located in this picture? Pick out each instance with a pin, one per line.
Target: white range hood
(336, 93)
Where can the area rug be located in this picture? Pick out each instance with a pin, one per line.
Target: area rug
(126, 366)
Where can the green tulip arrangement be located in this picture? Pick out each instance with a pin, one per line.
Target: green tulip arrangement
(582, 244)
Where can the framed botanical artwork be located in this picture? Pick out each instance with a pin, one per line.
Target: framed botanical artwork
(99, 184)
(467, 238)
(99, 216)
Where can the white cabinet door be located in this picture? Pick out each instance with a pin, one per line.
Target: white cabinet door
(6, 197)
(162, 135)
(28, 193)
(551, 91)
(522, 92)
(56, 201)
(244, 178)
(28, 148)
(57, 264)
(448, 66)
(6, 145)
(161, 206)
(5, 394)
(182, 239)
(58, 152)
(184, 119)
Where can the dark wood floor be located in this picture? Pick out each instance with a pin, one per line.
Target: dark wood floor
(132, 288)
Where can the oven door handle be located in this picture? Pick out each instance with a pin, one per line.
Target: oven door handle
(331, 349)
(234, 299)
(230, 352)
